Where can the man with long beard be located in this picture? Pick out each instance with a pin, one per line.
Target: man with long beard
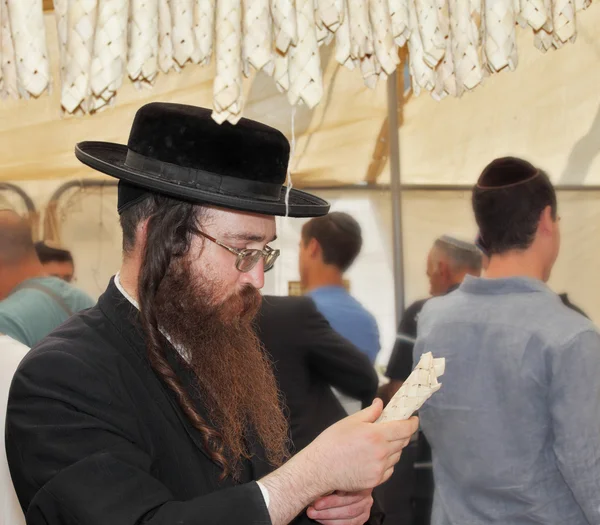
(158, 405)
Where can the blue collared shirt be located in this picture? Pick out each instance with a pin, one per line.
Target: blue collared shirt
(348, 317)
(515, 428)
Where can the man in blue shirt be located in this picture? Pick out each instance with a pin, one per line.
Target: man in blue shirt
(32, 303)
(328, 247)
(515, 429)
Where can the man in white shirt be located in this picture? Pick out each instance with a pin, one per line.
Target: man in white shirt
(11, 354)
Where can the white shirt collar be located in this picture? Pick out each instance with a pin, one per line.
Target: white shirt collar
(127, 296)
(124, 292)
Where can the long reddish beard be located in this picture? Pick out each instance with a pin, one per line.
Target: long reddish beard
(235, 376)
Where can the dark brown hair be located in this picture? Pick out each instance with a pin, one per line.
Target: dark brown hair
(48, 253)
(171, 226)
(508, 201)
(339, 236)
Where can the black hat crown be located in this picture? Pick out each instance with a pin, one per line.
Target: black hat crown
(180, 151)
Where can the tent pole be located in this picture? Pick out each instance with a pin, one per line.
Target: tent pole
(396, 193)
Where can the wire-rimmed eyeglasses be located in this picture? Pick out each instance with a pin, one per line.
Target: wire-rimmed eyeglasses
(248, 258)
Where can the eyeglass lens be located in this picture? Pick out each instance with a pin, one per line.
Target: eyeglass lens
(249, 259)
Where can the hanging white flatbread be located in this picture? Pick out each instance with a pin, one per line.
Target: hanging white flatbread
(258, 36)
(31, 51)
(61, 8)
(400, 22)
(227, 87)
(534, 13)
(324, 35)
(204, 31)
(445, 78)
(182, 30)
(370, 68)
(165, 43)
(304, 67)
(422, 74)
(8, 64)
(465, 21)
(544, 38)
(433, 26)
(500, 35)
(81, 23)
(342, 42)
(386, 50)
(563, 16)
(110, 51)
(361, 36)
(142, 64)
(420, 385)
(280, 74)
(329, 13)
(285, 27)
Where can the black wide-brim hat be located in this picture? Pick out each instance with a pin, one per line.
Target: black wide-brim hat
(180, 151)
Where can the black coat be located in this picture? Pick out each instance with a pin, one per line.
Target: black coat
(93, 436)
(310, 357)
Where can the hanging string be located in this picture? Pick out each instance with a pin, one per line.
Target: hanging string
(290, 184)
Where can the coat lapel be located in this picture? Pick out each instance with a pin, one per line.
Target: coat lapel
(125, 317)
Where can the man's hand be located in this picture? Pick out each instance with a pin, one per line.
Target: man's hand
(351, 456)
(355, 454)
(342, 508)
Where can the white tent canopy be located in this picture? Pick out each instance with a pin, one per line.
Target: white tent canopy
(548, 111)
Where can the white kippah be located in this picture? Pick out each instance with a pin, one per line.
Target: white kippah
(457, 243)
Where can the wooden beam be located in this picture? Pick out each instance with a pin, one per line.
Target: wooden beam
(48, 5)
(381, 150)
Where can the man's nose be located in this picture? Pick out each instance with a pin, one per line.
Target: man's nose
(256, 276)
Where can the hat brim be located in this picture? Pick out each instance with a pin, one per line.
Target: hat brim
(109, 158)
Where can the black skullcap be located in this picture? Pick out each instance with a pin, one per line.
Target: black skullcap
(505, 172)
(129, 194)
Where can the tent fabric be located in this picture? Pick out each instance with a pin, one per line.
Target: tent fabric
(88, 225)
(547, 110)
(453, 45)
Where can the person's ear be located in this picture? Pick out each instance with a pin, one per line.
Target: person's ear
(443, 270)
(314, 248)
(547, 222)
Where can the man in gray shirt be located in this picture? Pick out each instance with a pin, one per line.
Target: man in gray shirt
(515, 429)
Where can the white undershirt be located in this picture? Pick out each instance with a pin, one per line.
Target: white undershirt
(127, 296)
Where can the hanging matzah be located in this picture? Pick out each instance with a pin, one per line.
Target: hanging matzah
(142, 65)
(500, 35)
(361, 37)
(29, 39)
(304, 65)
(329, 13)
(386, 50)
(400, 22)
(182, 30)
(204, 30)
(110, 51)
(227, 88)
(285, 28)
(465, 35)
(258, 36)
(165, 44)
(7, 57)
(81, 23)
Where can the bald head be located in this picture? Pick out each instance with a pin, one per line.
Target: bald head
(449, 261)
(16, 240)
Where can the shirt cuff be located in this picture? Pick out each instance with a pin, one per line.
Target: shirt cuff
(265, 493)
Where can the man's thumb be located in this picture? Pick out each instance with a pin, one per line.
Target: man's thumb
(370, 414)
